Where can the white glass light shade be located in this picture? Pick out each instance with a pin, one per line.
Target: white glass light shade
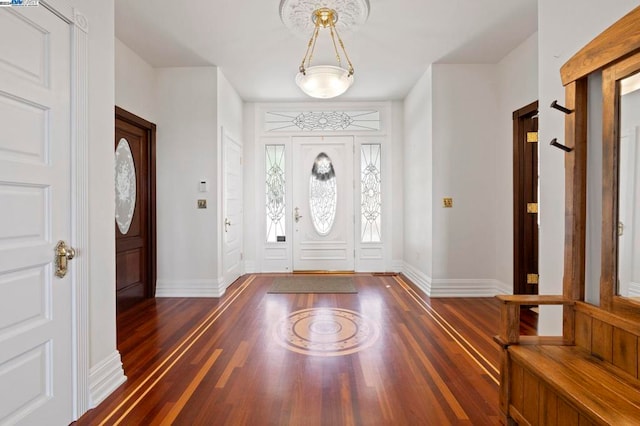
(324, 81)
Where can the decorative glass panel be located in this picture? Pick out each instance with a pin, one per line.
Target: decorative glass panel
(370, 199)
(275, 193)
(125, 186)
(314, 121)
(323, 194)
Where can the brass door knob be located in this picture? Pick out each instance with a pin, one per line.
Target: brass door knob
(63, 254)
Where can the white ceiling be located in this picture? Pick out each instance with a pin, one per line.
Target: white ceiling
(260, 56)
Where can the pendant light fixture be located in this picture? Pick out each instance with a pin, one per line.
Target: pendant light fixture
(324, 81)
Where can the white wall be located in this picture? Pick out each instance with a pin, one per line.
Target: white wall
(517, 75)
(187, 140)
(418, 182)
(464, 167)
(250, 226)
(563, 27)
(230, 108)
(458, 143)
(135, 84)
(397, 169)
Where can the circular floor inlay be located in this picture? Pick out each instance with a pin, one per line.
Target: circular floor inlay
(326, 332)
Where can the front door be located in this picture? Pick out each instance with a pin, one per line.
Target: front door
(323, 221)
(135, 209)
(36, 380)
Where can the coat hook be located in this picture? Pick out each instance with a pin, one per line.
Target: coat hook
(557, 144)
(566, 110)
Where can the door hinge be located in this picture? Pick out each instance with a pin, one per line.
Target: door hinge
(532, 207)
(532, 278)
(241, 255)
(532, 137)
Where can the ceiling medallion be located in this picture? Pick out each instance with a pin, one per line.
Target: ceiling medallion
(295, 14)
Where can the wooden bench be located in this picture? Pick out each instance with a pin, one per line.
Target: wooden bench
(592, 379)
(590, 374)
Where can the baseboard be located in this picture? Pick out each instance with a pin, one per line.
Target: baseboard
(434, 287)
(104, 378)
(467, 288)
(417, 277)
(189, 288)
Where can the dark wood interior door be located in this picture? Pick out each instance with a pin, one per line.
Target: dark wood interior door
(525, 199)
(135, 209)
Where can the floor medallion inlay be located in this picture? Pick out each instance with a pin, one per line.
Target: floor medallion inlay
(326, 332)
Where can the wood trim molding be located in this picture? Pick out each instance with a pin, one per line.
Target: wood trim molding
(575, 190)
(609, 267)
(619, 40)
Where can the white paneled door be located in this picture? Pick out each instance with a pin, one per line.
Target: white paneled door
(35, 208)
(628, 240)
(323, 221)
(232, 209)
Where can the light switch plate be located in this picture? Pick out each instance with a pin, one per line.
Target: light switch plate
(202, 204)
(447, 202)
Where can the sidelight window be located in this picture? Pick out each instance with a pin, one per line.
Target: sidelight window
(370, 193)
(275, 192)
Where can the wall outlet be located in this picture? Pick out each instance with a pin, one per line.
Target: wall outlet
(447, 202)
(202, 204)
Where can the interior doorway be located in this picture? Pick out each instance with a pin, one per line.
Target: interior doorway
(135, 189)
(525, 200)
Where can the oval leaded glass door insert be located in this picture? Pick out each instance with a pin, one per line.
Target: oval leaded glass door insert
(125, 186)
(323, 194)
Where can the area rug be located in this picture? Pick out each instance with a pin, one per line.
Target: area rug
(312, 284)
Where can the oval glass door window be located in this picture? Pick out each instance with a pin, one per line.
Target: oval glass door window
(125, 186)
(323, 194)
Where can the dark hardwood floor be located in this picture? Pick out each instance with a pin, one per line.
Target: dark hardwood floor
(219, 362)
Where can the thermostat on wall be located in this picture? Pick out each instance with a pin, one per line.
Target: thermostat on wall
(203, 186)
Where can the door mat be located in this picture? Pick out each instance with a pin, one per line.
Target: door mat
(306, 284)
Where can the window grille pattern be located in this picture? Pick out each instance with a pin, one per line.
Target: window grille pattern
(314, 121)
(275, 193)
(370, 197)
(125, 180)
(323, 194)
